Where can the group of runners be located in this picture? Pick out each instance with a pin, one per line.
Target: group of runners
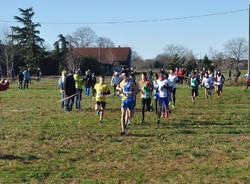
(161, 87)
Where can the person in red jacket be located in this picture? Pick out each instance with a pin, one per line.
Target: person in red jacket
(4, 84)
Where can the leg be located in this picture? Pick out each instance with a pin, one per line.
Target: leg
(123, 113)
(62, 97)
(174, 91)
(156, 105)
(142, 109)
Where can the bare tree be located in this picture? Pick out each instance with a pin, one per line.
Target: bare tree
(236, 48)
(72, 60)
(104, 42)
(215, 55)
(136, 60)
(83, 37)
(5, 49)
(172, 49)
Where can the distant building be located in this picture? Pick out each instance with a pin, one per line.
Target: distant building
(111, 58)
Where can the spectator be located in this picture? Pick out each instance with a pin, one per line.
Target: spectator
(229, 74)
(38, 73)
(20, 80)
(237, 75)
(26, 74)
(69, 91)
(115, 81)
(79, 89)
(60, 86)
(12, 75)
(93, 82)
(87, 82)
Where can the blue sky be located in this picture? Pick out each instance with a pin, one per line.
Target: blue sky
(148, 39)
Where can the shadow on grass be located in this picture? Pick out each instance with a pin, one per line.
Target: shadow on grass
(140, 135)
(20, 158)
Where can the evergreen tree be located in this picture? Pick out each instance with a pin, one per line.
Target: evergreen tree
(175, 62)
(61, 51)
(27, 38)
(206, 63)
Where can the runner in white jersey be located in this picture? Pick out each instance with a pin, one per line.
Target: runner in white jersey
(220, 79)
(164, 86)
(207, 83)
(173, 79)
(247, 79)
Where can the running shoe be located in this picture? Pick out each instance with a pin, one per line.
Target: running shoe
(166, 115)
(173, 106)
(100, 122)
(158, 121)
(129, 123)
(122, 133)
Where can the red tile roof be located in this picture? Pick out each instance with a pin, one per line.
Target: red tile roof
(110, 55)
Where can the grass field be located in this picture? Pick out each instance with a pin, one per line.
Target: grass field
(208, 142)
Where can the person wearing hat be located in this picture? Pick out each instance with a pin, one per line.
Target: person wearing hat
(69, 90)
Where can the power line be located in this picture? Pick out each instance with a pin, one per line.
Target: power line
(140, 21)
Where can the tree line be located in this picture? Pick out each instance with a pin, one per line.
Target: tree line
(21, 47)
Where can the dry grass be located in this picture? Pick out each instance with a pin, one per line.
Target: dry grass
(203, 143)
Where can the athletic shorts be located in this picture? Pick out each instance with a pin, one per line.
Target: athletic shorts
(163, 101)
(195, 92)
(101, 104)
(156, 95)
(128, 103)
(147, 102)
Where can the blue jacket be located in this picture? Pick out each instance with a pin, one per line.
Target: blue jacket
(26, 74)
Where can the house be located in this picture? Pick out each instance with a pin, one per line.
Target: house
(111, 58)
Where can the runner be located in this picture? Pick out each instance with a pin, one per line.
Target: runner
(220, 79)
(194, 83)
(101, 90)
(145, 90)
(127, 89)
(247, 78)
(156, 92)
(173, 79)
(207, 83)
(164, 87)
(4, 84)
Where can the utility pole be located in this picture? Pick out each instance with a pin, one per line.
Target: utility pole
(12, 53)
(249, 39)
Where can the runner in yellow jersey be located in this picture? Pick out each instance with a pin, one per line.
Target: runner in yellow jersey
(101, 91)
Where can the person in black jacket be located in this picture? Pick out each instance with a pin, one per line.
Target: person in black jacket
(20, 80)
(93, 82)
(69, 90)
(87, 82)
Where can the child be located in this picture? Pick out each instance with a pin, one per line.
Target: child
(194, 83)
(145, 94)
(101, 91)
(247, 78)
(156, 92)
(220, 79)
(164, 87)
(207, 83)
(127, 89)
